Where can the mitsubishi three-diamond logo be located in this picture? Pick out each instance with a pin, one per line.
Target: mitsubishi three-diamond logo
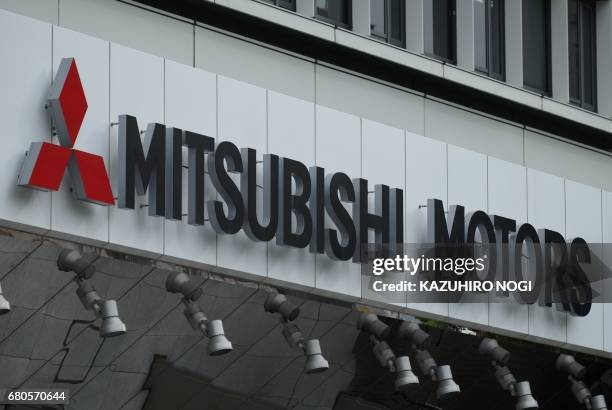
(46, 163)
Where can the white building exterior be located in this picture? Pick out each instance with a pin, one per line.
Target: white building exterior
(165, 68)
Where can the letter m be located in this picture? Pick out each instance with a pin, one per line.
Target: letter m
(447, 243)
(139, 170)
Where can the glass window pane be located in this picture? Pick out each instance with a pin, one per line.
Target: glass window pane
(322, 8)
(588, 55)
(496, 59)
(480, 35)
(341, 10)
(574, 47)
(428, 26)
(397, 16)
(439, 28)
(535, 44)
(377, 18)
(288, 4)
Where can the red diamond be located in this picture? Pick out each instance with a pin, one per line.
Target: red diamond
(73, 102)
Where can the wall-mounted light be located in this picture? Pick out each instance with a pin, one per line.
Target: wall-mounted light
(180, 282)
(412, 332)
(575, 372)
(5, 306)
(218, 344)
(567, 364)
(442, 375)
(278, 303)
(70, 260)
(420, 341)
(370, 323)
(406, 379)
(499, 358)
(489, 347)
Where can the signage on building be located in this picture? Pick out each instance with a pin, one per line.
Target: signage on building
(291, 192)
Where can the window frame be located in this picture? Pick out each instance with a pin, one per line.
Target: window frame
(451, 22)
(386, 37)
(580, 102)
(488, 43)
(548, 44)
(349, 16)
(282, 4)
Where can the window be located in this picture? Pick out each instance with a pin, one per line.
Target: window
(337, 12)
(286, 4)
(440, 29)
(536, 46)
(387, 20)
(581, 15)
(489, 37)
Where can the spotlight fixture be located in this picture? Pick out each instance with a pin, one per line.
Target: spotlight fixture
(71, 260)
(413, 333)
(104, 309)
(447, 387)
(598, 403)
(218, 344)
(420, 342)
(406, 379)
(5, 306)
(580, 392)
(180, 282)
(524, 398)
(111, 323)
(315, 362)
(278, 303)
(384, 354)
(370, 323)
(492, 349)
(499, 358)
(567, 364)
(575, 371)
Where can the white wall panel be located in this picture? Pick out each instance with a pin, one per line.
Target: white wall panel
(245, 61)
(25, 77)
(383, 162)
(242, 120)
(368, 99)
(569, 161)
(583, 219)
(130, 26)
(191, 104)
(426, 178)
(68, 215)
(606, 211)
(291, 134)
(136, 88)
(45, 10)
(546, 209)
(467, 186)
(475, 132)
(338, 137)
(507, 191)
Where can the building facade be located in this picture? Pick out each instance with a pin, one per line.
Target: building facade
(499, 106)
